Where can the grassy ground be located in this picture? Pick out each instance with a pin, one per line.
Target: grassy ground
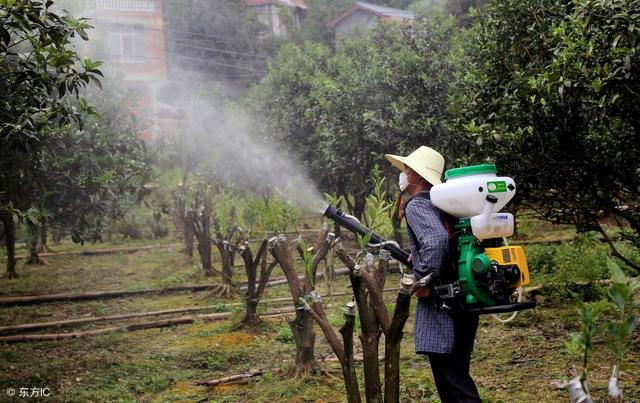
(512, 363)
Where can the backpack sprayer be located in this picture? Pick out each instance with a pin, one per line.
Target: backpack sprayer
(488, 270)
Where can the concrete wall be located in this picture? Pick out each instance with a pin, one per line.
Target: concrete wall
(145, 18)
(358, 20)
(134, 37)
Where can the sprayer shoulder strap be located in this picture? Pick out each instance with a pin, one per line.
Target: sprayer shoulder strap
(448, 222)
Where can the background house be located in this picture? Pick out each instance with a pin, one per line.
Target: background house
(362, 16)
(134, 45)
(276, 15)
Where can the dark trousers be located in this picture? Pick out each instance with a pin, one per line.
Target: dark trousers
(451, 371)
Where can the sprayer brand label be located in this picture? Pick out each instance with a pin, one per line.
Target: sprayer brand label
(506, 255)
(497, 186)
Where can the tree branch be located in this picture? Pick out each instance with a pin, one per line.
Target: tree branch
(375, 294)
(614, 250)
(282, 253)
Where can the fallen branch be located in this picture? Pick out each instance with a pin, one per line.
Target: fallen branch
(91, 295)
(131, 328)
(92, 319)
(231, 379)
(26, 327)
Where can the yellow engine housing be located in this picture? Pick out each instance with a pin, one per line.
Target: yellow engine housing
(511, 256)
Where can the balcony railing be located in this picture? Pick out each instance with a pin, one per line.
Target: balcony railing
(140, 6)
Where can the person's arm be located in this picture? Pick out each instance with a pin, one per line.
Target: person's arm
(424, 219)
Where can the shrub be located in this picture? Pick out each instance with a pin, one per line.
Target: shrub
(129, 228)
(158, 227)
(284, 334)
(578, 261)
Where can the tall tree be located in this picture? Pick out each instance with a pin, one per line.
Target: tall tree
(383, 93)
(550, 92)
(96, 171)
(38, 66)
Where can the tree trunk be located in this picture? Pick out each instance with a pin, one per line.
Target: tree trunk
(393, 338)
(42, 243)
(369, 338)
(360, 204)
(369, 330)
(58, 235)
(226, 289)
(302, 326)
(240, 378)
(347, 363)
(130, 328)
(183, 219)
(200, 218)
(34, 236)
(337, 229)
(251, 319)
(305, 339)
(227, 270)
(371, 365)
(187, 231)
(10, 240)
(204, 250)
(255, 286)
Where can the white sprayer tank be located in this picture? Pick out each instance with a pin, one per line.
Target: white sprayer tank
(464, 195)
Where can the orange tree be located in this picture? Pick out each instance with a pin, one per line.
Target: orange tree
(60, 159)
(549, 91)
(38, 66)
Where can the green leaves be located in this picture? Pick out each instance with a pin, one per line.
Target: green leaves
(271, 214)
(623, 296)
(7, 3)
(383, 92)
(557, 81)
(617, 276)
(581, 343)
(307, 258)
(623, 303)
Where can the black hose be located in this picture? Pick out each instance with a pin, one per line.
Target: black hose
(354, 226)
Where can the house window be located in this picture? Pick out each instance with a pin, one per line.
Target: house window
(265, 16)
(126, 44)
(141, 6)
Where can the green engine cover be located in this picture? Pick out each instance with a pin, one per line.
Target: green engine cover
(471, 258)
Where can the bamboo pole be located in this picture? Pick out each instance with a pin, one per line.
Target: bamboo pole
(109, 251)
(91, 295)
(92, 319)
(132, 328)
(25, 327)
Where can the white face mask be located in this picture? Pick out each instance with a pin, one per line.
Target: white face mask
(403, 182)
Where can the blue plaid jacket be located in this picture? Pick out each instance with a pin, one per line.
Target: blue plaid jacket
(429, 245)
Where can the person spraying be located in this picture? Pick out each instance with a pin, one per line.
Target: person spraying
(445, 335)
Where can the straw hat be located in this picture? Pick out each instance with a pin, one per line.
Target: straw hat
(426, 161)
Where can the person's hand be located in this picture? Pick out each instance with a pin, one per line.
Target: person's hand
(410, 258)
(423, 292)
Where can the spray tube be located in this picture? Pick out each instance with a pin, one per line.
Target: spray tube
(353, 225)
